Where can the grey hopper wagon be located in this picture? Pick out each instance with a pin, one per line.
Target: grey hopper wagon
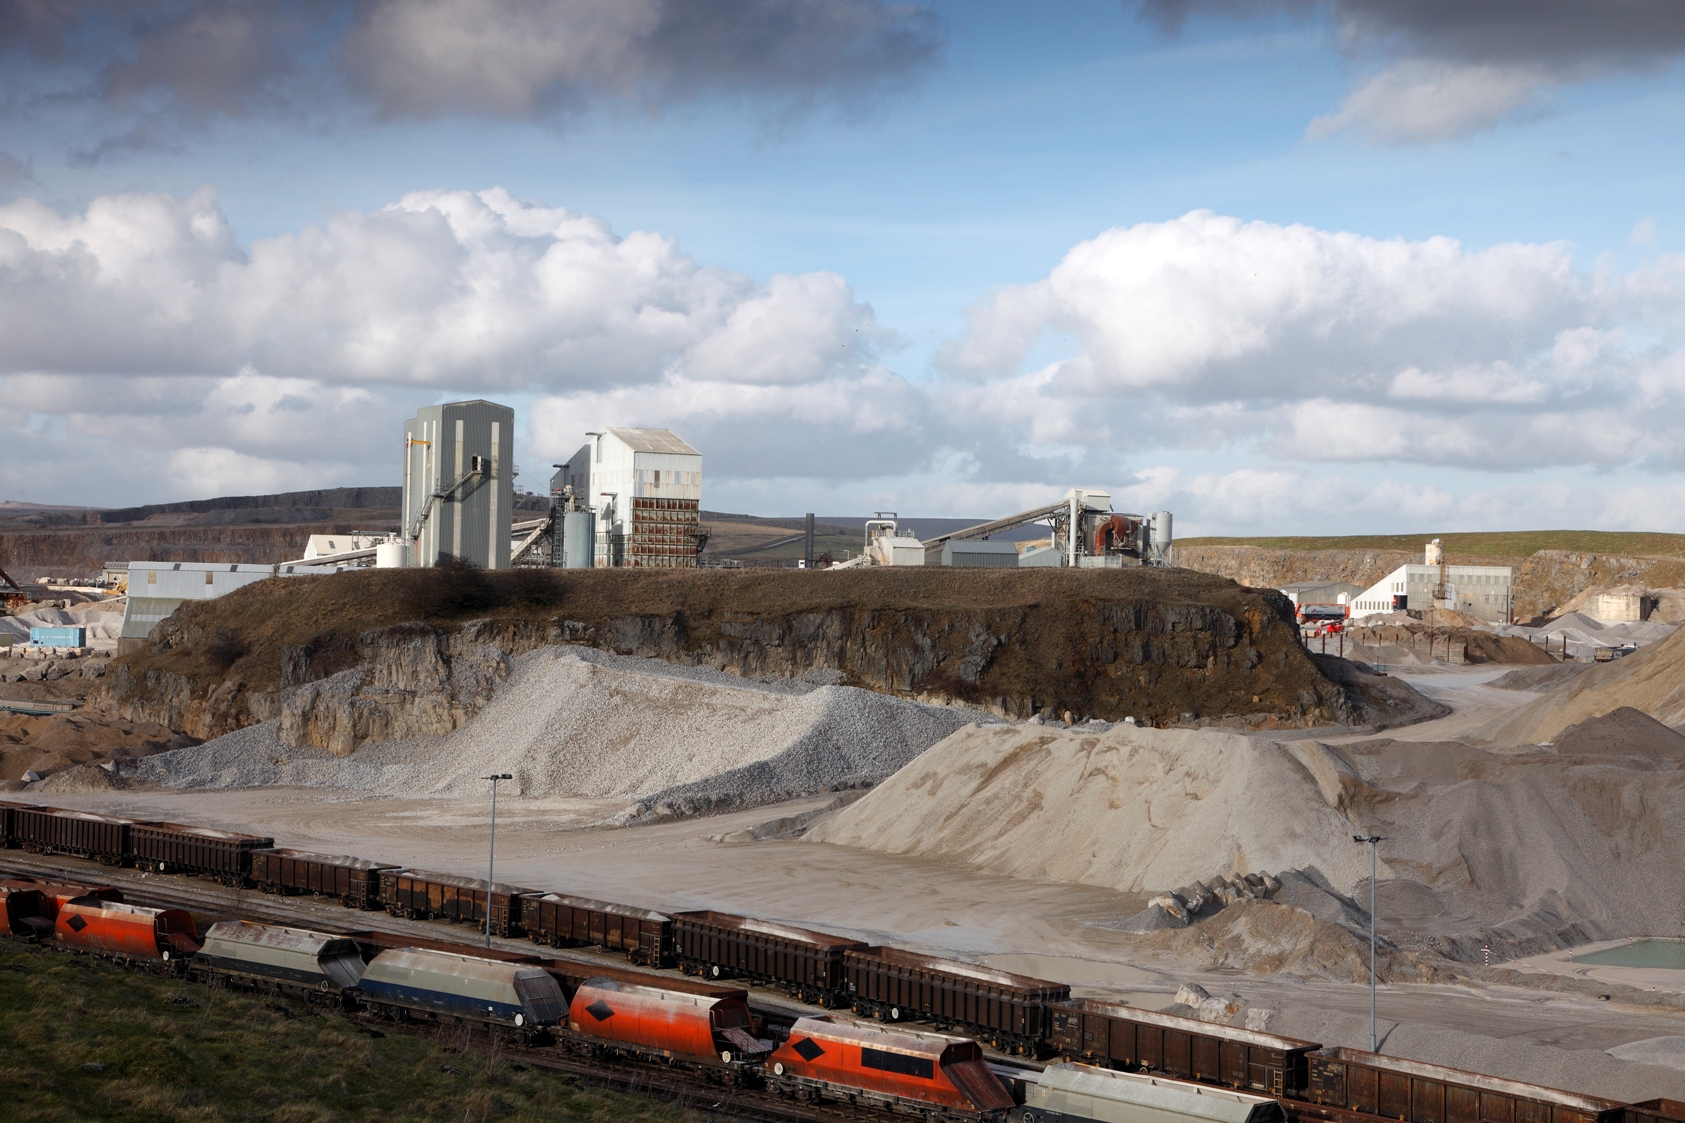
(411, 982)
(1074, 1093)
(270, 957)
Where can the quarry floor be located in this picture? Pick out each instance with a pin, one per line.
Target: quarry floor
(1051, 930)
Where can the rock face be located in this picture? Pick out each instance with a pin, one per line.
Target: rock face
(1163, 647)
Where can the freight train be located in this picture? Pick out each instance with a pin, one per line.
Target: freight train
(703, 1023)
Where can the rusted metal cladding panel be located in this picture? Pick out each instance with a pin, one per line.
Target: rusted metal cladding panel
(1462, 1105)
(1067, 1033)
(1427, 1100)
(1393, 1097)
(650, 1017)
(1149, 1046)
(1233, 1067)
(1178, 1052)
(1122, 1040)
(1531, 1111)
(1496, 1107)
(1655, 1111)
(1326, 1082)
(1204, 1059)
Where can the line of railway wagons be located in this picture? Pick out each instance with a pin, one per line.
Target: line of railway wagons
(1010, 1012)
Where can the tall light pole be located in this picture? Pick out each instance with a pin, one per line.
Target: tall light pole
(491, 861)
(1374, 842)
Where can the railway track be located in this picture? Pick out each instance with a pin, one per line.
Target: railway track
(208, 898)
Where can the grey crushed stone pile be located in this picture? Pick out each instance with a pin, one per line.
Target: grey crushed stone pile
(572, 721)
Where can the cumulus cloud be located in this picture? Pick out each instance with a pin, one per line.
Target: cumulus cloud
(1459, 68)
(142, 321)
(508, 59)
(1240, 373)
(1206, 331)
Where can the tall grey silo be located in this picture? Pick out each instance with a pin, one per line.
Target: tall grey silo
(459, 492)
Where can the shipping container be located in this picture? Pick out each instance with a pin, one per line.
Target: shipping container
(1117, 1036)
(58, 636)
(645, 937)
(415, 981)
(82, 834)
(876, 1066)
(1011, 1012)
(655, 1023)
(424, 895)
(273, 957)
(354, 881)
(176, 848)
(1086, 1092)
(1424, 1093)
(126, 931)
(721, 945)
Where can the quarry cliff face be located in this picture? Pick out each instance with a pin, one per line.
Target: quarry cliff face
(1159, 646)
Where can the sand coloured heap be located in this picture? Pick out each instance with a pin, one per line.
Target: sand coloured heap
(1651, 680)
(580, 722)
(1532, 849)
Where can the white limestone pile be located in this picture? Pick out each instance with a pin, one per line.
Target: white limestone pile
(577, 722)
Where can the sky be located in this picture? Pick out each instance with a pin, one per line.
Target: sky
(1278, 266)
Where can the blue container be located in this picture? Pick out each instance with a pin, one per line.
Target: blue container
(58, 637)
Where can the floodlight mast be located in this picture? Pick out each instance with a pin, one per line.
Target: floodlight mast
(1373, 840)
(491, 860)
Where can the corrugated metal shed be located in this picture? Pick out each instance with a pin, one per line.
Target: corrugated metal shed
(157, 588)
(982, 552)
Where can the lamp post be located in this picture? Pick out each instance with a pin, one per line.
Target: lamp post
(1374, 842)
(491, 861)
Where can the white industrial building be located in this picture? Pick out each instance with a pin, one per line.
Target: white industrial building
(644, 489)
(157, 588)
(1482, 591)
(459, 483)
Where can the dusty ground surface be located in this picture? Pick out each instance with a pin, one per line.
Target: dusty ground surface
(1542, 1029)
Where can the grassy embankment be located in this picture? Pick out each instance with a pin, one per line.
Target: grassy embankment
(81, 1039)
(1507, 544)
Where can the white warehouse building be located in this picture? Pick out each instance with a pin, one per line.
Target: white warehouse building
(645, 488)
(1481, 591)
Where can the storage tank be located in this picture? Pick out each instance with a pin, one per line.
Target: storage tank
(579, 537)
(1434, 554)
(1158, 538)
(391, 555)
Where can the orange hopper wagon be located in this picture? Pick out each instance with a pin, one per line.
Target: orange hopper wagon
(899, 1069)
(126, 931)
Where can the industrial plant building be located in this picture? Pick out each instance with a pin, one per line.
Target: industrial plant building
(642, 490)
(1481, 591)
(459, 461)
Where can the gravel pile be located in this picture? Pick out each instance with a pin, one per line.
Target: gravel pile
(571, 721)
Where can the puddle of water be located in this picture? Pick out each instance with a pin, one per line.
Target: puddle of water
(1668, 954)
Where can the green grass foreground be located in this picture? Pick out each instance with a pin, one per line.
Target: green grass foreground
(81, 1039)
